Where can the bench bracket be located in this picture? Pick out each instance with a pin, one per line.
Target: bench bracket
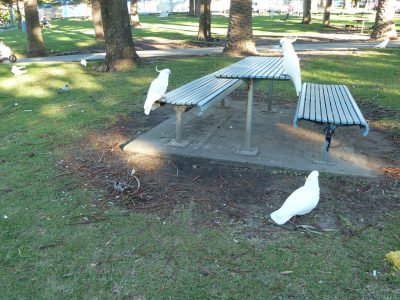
(329, 131)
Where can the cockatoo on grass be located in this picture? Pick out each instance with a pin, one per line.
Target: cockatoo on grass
(383, 44)
(291, 63)
(300, 202)
(84, 63)
(157, 89)
(18, 70)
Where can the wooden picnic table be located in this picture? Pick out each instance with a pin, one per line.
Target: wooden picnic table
(250, 70)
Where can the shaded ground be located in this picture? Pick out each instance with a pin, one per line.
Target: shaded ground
(215, 191)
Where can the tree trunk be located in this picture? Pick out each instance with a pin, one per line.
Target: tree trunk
(240, 30)
(306, 12)
(98, 23)
(191, 7)
(204, 32)
(327, 13)
(19, 18)
(33, 31)
(135, 15)
(120, 52)
(384, 26)
(197, 8)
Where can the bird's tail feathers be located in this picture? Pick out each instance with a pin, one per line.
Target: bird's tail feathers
(279, 218)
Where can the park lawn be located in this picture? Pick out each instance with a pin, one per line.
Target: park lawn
(44, 255)
(71, 35)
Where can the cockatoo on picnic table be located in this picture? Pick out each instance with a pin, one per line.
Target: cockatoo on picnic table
(383, 44)
(157, 89)
(18, 70)
(291, 63)
(300, 202)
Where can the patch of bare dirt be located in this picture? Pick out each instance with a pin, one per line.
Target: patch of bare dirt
(220, 193)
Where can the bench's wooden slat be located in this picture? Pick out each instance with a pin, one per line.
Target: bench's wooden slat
(198, 83)
(300, 105)
(355, 107)
(232, 85)
(334, 105)
(313, 100)
(345, 117)
(324, 99)
(307, 103)
(320, 98)
(202, 96)
(349, 106)
(196, 95)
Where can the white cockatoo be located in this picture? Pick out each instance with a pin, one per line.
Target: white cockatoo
(84, 63)
(383, 44)
(291, 63)
(300, 202)
(18, 70)
(157, 89)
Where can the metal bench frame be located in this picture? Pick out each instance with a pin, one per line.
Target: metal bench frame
(332, 105)
(202, 93)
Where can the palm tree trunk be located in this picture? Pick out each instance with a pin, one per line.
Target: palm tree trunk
(384, 26)
(98, 23)
(204, 32)
(120, 52)
(135, 15)
(240, 30)
(33, 31)
(327, 13)
(306, 12)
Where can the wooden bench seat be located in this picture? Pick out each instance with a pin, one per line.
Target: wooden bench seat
(200, 93)
(331, 105)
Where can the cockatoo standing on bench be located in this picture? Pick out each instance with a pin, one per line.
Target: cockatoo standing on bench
(291, 63)
(300, 202)
(157, 89)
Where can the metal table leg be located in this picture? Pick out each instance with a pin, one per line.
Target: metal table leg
(270, 92)
(179, 141)
(246, 149)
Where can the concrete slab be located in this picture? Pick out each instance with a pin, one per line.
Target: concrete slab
(219, 132)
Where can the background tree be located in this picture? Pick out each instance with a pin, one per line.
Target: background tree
(34, 37)
(98, 23)
(191, 7)
(306, 12)
(240, 30)
(120, 52)
(19, 17)
(384, 26)
(327, 13)
(135, 14)
(204, 32)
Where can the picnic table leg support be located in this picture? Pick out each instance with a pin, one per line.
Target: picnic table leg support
(178, 141)
(270, 92)
(247, 149)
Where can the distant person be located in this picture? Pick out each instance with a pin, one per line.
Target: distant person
(45, 22)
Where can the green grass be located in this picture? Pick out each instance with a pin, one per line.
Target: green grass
(76, 35)
(136, 255)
